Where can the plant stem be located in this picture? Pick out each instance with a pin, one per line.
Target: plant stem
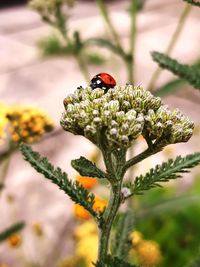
(148, 152)
(83, 67)
(109, 217)
(171, 45)
(4, 167)
(105, 15)
(133, 32)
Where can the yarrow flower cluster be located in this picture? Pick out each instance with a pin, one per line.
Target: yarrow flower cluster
(123, 114)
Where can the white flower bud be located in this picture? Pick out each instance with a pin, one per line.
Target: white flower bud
(126, 192)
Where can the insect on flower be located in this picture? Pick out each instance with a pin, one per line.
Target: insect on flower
(103, 81)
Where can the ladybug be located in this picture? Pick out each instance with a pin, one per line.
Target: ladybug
(103, 81)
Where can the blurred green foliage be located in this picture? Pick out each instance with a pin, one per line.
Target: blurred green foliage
(171, 219)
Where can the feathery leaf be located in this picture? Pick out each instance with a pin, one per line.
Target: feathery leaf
(86, 168)
(114, 262)
(189, 73)
(193, 2)
(163, 173)
(123, 230)
(73, 189)
(11, 230)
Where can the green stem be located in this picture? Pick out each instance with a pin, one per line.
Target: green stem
(148, 152)
(4, 168)
(105, 15)
(109, 217)
(130, 70)
(171, 45)
(131, 65)
(83, 67)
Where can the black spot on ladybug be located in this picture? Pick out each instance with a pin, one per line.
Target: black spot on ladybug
(103, 81)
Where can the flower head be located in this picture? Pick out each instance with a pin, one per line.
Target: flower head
(122, 115)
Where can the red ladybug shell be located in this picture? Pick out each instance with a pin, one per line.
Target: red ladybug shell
(103, 81)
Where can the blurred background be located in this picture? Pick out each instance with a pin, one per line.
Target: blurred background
(37, 70)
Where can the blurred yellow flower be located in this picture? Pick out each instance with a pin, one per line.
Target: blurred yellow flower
(136, 238)
(15, 240)
(87, 182)
(87, 248)
(148, 253)
(99, 204)
(85, 229)
(28, 124)
(81, 213)
(3, 265)
(69, 262)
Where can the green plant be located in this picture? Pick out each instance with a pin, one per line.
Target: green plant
(112, 121)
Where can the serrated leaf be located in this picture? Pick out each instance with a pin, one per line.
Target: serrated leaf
(73, 189)
(86, 168)
(121, 242)
(189, 73)
(114, 262)
(11, 230)
(163, 173)
(193, 2)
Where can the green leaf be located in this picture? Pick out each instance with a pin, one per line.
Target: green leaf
(73, 189)
(193, 2)
(163, 173)
(114, 262)
(170, 87)
(124, 228)
(11, 230)
(104, 43)
(87, 168)
(189, 73)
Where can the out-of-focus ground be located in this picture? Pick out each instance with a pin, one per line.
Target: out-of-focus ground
(27, 78)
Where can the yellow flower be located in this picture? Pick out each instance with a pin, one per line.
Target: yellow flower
(3, 265)
(3, 120)
(87, 248)
(148, 253)
(15, 240)
(136, 238)
(28, 124)
(87, 182)
(82, 213)
(69, 262)
(99, 204)
(85, 229)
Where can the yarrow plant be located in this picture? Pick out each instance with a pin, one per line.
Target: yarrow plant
(112, 121)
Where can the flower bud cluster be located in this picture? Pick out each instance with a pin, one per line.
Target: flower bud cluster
(121, 115)
(48, 6)
(168, 127)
